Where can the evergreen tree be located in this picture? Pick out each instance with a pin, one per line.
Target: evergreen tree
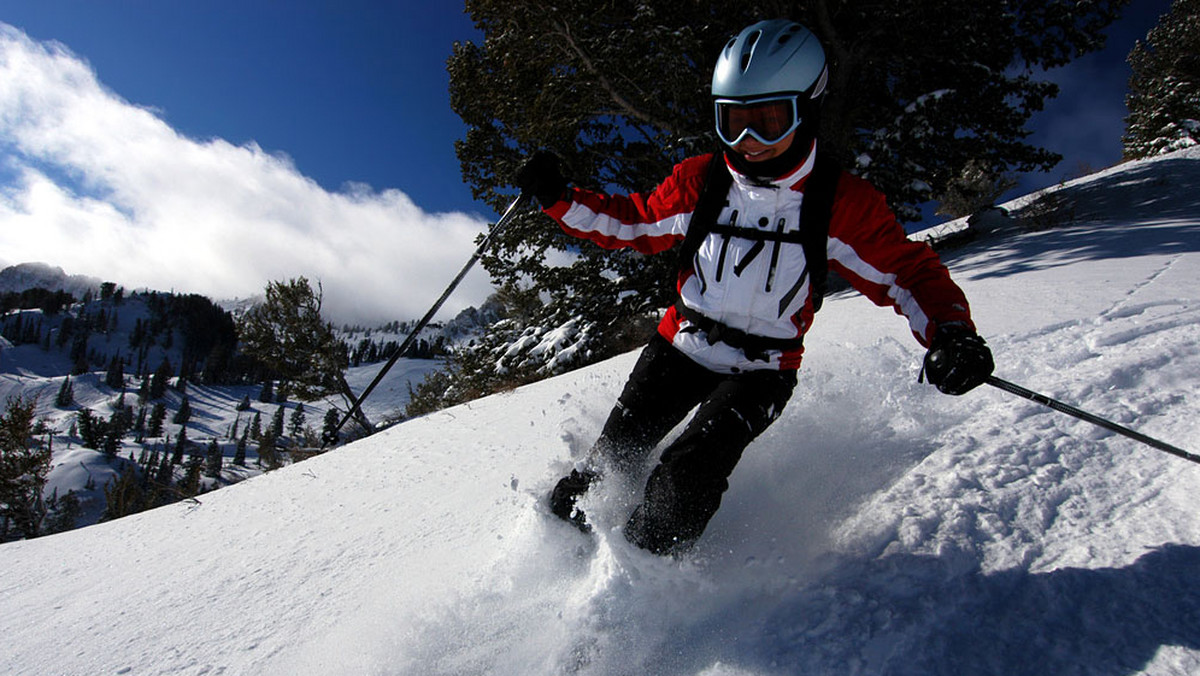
(268, 454)
(158, 415)
(123, 495)
(1164, 91)
(24, 465)
(114, 430)
(276, 427)
(267, 394)
(161, 379)
(184, 414)
(79, 350)
(296, 421)
(92, 430)
(143, 391)
(256, 426)
(975, 189)
(138, 334)
(189, 485)
(332, 417)
(181, 444)
(166, 473)
(62, 513)
(244, 404)
(115, 377)
(214, 460)
(287, 335)
(66, 394)
(239, 455)
(139, 426)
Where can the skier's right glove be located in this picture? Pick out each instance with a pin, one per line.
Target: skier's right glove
(958, 360)
(541, 177)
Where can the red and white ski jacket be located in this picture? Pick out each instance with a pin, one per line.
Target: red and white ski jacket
(750, 286)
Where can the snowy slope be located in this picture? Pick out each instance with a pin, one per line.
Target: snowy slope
(878, 528)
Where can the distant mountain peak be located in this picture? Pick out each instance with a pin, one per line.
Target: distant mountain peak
(43, 275)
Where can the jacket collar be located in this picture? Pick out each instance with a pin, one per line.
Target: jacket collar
(792, 179)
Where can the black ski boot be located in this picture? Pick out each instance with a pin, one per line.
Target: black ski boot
(567, 492)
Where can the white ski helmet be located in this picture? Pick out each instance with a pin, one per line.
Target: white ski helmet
(771, 61)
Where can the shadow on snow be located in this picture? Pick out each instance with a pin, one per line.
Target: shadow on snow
(932, 615)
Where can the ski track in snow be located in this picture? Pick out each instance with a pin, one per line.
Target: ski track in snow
(877, 528)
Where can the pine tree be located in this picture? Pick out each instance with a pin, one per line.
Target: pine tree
(66, 394)
(181, 444)
(143, 391)
(276, 427)
(268, 455)
(214, 460)
(79, 348)
(139, 426)
(62, 512)
(192, 471)
(975, 189)
(1164, 90)
(24, 466)
(296, 421)
(115, 377)
(158, 415)
(256, 427)
(332, 418)
(161, 379)
(166, 473)
(114, 430)
(287, 334)
(91, 429)
(184, 414)
(123, 495)
(239, 455)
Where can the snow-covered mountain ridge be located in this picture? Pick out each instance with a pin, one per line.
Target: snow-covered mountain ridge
(878, 528)
(29, 275)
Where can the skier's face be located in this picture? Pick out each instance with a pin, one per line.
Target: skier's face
(756, 151)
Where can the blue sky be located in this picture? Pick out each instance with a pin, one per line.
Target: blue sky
(317, 117)
(351, 90)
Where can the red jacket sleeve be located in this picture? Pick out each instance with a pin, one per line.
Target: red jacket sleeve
(649, 223)
(870, 249)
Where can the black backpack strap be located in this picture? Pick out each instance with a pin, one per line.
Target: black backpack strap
(815, 214)
(712, 199)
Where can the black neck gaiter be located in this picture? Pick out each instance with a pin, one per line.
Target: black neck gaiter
(774, 167)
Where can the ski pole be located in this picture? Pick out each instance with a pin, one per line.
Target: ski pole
(332, 435)
(1094, 419)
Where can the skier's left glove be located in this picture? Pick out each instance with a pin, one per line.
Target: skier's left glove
(958, 360)
(541, 176)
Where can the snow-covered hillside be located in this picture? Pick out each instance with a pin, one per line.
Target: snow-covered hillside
(39, 369)
(878, 528)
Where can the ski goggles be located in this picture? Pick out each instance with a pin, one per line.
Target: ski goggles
(767, 120)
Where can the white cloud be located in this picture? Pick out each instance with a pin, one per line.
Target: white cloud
(102, 187)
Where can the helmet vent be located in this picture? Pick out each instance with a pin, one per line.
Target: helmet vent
(748, 49)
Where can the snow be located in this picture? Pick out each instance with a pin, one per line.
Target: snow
(878, 527)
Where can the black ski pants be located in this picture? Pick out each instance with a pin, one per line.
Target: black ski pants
(684, 490)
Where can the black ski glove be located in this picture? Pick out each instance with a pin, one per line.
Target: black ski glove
(958, 360)
(541, 177)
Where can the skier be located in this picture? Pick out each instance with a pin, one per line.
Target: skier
(748, 292)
